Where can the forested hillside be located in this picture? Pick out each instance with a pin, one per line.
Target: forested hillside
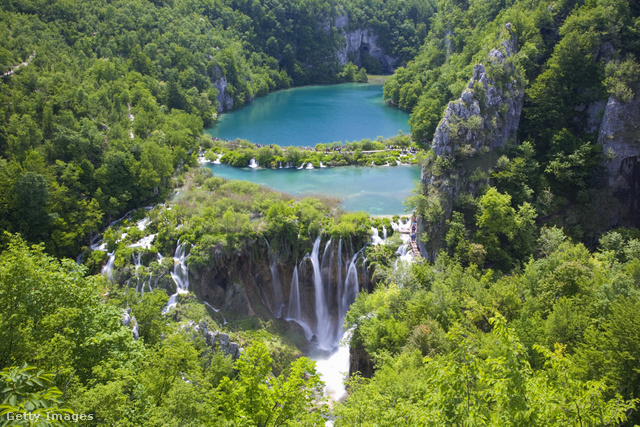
(115, 96)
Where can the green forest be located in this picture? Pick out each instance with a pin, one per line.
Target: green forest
(523, 310)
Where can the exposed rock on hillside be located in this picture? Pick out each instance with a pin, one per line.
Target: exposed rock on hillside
(225, 100)
(620, 139)
(361, 42)
(487, 113)
(484, 118)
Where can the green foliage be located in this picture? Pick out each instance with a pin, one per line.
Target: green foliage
(502, 229)
(28, 397)
(255, 397)
(52, 315)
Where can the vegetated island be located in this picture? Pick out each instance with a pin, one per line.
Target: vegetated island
(394, 151)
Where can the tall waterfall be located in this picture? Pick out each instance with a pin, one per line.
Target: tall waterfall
(335, 287)
(278, 300)
(324, 331)
(180, 275)
(350, 290)
(294, 313)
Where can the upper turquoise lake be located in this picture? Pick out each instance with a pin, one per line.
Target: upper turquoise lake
(309, 115)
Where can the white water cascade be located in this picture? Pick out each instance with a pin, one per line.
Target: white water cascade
(253, 164)
(323, 321)
(180, 275)
(107, 270)
(278, 300)
(375, 238)
(294, 313)
(137, 263)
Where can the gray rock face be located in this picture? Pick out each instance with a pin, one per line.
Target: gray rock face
(485, 116)
(217, 341)
(359, 42)
(620, 139)
(130, 321)
(225, 101)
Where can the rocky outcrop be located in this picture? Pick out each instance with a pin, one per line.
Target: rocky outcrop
(225, 100)
(360, 42)
(487, 113)
(483, 119)
(217, 341)
(620, 139)
(130, 321)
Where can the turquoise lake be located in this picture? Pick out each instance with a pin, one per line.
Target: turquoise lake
(378, 190)
(310, 115)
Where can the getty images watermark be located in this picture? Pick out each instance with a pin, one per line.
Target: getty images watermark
(49, 416)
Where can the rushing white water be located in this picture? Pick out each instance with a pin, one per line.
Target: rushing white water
(217, 160)
(137, 263)
(145, 242)
(302, 165)
(350, 290)
(323, 320)
(375, 238)
(278, 300)
(322, 166)
(294, 312)
(334, 368)
(180, 275)
(107, 270)
(253, 164)
(309, 166)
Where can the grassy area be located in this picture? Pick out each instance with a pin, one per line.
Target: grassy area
(377, 78)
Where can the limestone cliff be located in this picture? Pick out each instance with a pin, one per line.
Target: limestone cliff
(243, 283)
(225, 100)
(620, 139)
(483, 119)
(359, 42)
(487, 113)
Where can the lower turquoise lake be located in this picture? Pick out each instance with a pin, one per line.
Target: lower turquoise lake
(309, 115)
(378, 190)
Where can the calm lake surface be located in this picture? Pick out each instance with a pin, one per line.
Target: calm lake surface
(310, 115)
(376, 190)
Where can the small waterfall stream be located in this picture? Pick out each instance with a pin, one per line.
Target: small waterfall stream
(107, 270)
(278, 300)
(294, 314)
(180, 275)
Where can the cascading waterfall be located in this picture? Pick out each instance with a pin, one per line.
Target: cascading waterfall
(294, 314)
(107, 270)
(375, 238)
(278, 300)
(323, 320)
(325, 269)
(351, 288)
(253, 164)
(137, 263)
(180, 275)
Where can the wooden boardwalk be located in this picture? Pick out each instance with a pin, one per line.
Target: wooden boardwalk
(413, 244)
(416, 251)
